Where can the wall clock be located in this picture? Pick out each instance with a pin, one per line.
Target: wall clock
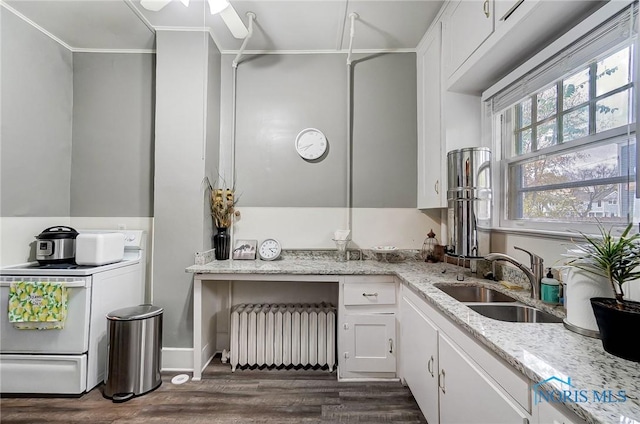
(269, 250)
(311, 144)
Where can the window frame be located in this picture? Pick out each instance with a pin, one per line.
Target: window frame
(506, 133)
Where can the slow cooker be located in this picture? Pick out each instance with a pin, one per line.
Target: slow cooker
(56, 245)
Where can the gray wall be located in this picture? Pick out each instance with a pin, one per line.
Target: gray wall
(212, 150)
(280, 95)
(277, 97)
(385, 131)
(181, 62)
(36, 86)
(112, 156)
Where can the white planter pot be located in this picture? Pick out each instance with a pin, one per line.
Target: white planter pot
(580, 287)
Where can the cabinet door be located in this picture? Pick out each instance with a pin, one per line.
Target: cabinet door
(503, 9)
(466, 393)
(419, 358)
(431, 186)
(556, 414)
(468, 25)
(370, 343)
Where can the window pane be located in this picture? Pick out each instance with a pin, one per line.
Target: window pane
(612, 111)
(547, 134)
(574, 166)
(606, 200)
(577, 204)
(524, 114)
(612, 72)
(547, 101)
(523, 142)
(575, 124)
(575, 89)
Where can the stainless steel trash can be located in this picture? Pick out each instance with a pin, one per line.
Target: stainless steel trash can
(133, 358)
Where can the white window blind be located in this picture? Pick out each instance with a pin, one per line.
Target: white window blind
(606, 36)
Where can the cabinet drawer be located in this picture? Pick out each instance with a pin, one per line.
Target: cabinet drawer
(43, 374)
(369, 293)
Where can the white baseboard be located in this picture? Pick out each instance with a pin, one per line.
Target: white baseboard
(177, 359)
(181, 358)
(208, 353)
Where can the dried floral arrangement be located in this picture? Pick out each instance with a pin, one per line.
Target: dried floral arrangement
(222, 203)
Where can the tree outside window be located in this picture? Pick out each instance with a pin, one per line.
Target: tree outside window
(559, 171)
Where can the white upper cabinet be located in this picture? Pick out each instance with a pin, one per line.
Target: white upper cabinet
(484, 40)
(431, 154)
(504, 9)
(468, 25)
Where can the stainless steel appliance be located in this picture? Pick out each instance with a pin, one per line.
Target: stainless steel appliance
(56, 245)
(469, 201)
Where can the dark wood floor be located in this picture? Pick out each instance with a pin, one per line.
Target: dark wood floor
(246, 396)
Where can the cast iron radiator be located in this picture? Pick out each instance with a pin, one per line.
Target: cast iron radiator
(283, 335)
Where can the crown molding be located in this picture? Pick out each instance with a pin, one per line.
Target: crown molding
(67, 46)
(36, 26)
(134, 51)
(328, 51)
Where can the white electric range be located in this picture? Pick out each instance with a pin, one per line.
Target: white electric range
(70, 361)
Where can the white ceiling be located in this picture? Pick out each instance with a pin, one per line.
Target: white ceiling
(88, 24)
(284, 25)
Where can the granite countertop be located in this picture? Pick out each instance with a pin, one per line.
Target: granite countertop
(539, 351)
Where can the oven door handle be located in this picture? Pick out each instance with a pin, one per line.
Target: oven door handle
(67, 284)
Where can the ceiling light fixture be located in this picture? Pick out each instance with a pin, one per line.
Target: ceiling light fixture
(223, 7)
(154, 5)
(217, 6)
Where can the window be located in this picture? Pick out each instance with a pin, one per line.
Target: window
(563, 126)
(571, 147)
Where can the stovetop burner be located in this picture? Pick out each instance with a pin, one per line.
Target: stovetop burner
(59, 266)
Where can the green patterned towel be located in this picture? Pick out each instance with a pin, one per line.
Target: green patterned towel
(37, 305)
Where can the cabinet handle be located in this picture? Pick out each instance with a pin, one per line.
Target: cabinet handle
(430, 366)
(390, 346)
(441, 379)
(485, 8)
(436, 186)
(369, 294)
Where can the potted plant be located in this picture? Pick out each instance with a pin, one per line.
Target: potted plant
(222, 204)
(616, 259)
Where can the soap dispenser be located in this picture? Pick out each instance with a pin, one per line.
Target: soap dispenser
(550, 289)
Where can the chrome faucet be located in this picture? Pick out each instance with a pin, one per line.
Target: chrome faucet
(534, 274)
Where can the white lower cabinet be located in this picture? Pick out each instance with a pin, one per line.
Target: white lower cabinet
(367, 325)
(549, 413)
(419, 358)
(370, 343)
(448, 385)
(461, 379)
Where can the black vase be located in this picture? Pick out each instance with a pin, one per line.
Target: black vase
(222, 244)
(618, 326)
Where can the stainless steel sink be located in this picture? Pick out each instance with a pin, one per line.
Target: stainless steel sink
(515, 313)
(474, 294)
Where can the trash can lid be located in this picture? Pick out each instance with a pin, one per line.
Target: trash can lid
(135, 312)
